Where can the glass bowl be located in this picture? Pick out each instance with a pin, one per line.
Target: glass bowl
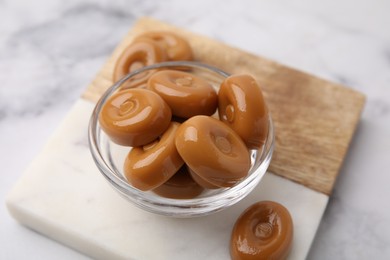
(109, 157)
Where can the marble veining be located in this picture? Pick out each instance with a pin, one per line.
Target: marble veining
(50, 50)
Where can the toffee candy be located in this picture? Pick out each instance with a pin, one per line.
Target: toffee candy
(179, 186)
(135, 56)
(134, 117)
(151, 165)
(175, 46)
(213, 151)
(263, 231)
(200, 181)
(186, 94)
(241, 106)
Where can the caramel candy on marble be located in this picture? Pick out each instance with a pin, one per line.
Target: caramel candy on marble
(135, 56)
(149, 166)
(241, 106)
(176, 47)
(263, 231)
(180, 186)
(134, 117)
(213, 151)
(186, 94)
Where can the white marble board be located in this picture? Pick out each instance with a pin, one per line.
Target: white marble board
(63, 196)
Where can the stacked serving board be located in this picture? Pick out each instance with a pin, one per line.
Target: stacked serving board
(63, 195)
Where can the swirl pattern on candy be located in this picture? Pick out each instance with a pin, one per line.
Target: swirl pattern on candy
(213, 151)
(136, 56)
(186, 94)
(263, 231)
(175, 46)
(134, 117)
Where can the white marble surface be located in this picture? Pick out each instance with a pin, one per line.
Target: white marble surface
(62, 195)
(50, 50)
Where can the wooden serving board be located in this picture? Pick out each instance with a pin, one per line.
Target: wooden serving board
(314, 119)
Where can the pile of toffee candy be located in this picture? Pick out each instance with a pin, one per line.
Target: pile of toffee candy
(180, 160)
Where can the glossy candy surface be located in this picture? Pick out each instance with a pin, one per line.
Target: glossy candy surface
(263, 231)
(186, 94)
(199, 180)
(179, 186)
(134, 117)
(135, 56)
(213, 151)
(176, 47)
(149, 166)
(241, 106)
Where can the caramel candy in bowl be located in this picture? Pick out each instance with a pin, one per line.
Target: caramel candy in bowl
(176, 47)
(179, 186)
(134, 117)
(147, 167)
(241, 105)
(213, 151)
(186, 94)
(136, 56)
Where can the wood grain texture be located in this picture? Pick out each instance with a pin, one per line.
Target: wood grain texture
(314, 119)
